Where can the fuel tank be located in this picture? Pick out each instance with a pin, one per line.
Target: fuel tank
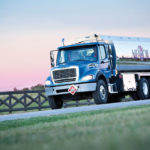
(132, 53)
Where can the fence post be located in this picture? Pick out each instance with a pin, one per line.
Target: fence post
(65, 104)
(10, 103)
(77, 103)
(25, 101)
(39, 100)
(89, 102)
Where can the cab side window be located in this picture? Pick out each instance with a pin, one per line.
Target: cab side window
(102, 52)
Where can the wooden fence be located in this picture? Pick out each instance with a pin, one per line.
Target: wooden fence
(30, 100)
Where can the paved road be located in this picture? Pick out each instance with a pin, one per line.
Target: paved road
(73, 110)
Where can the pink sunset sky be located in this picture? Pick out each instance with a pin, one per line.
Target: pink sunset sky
(29, 29)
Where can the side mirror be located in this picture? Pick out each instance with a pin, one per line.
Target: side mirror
(53, 55)
(52, 59)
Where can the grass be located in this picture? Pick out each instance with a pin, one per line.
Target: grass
(126, 128)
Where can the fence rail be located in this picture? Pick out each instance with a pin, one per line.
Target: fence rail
(29, 100)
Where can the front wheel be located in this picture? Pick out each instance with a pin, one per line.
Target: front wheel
(101, 94)
(55, 102)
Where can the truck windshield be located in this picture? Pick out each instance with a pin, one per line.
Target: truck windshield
(77, 54)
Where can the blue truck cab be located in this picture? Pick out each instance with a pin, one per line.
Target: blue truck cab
(92, 69)
(82, 71)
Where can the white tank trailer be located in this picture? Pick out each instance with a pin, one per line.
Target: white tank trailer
(133, 53)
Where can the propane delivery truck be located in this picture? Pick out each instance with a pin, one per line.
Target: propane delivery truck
(105, 68)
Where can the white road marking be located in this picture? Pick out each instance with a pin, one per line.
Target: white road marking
(73, 110)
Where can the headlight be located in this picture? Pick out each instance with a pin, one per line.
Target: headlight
(47, 82)
(89, 77)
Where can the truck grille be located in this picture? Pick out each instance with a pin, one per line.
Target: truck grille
(64, 75)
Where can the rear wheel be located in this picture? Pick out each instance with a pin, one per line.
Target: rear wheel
(149, 85)
(143, 91)
(55, 102)
(101, 94)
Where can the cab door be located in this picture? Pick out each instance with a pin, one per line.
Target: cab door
(104, 60)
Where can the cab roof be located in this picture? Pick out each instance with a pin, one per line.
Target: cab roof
(81, 44)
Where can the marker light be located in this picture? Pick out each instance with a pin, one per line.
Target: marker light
(47, 82)
(89, 77)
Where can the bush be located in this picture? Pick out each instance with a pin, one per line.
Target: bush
(38, 87)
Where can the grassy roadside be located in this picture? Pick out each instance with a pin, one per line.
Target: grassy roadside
(126, 128)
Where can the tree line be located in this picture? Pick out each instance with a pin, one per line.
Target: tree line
(32, 88)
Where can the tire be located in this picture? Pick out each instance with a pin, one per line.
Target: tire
(101, 94)
(149, 85)
(55, 102)
(143, 91)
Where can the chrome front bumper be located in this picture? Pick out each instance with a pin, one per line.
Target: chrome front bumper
(61, 90)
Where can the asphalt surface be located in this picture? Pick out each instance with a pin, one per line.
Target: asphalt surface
(73, 110)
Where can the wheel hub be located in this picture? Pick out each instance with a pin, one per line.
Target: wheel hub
(145, 88)
(102, 92)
